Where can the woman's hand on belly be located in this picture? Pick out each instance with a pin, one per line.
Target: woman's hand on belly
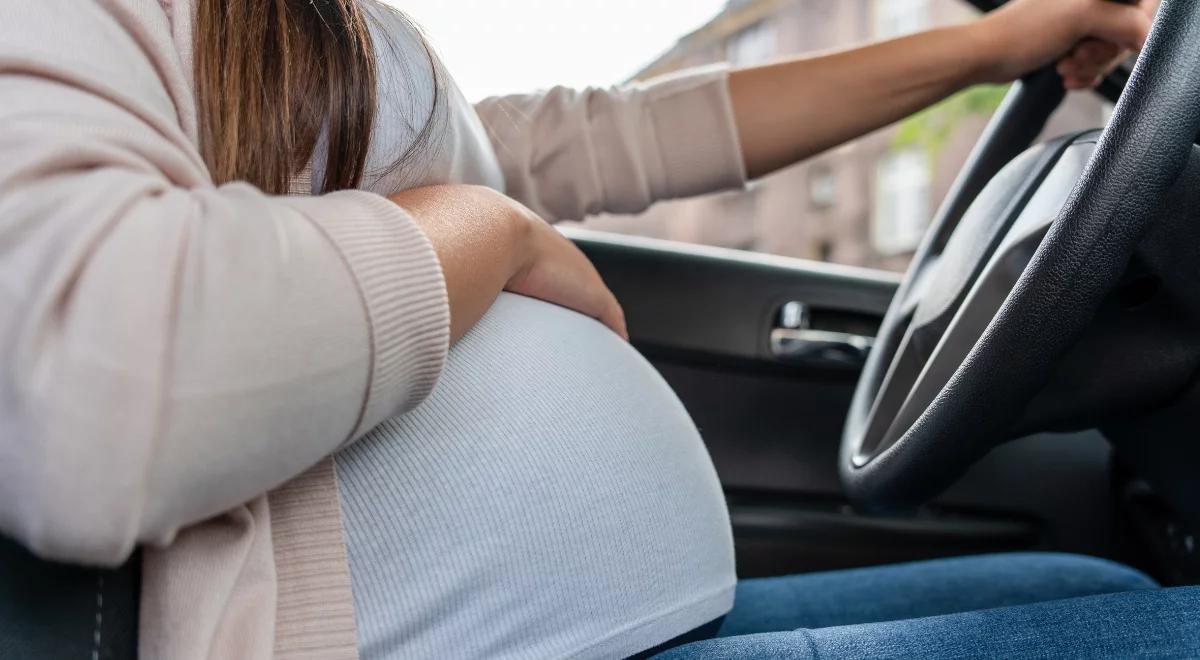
(487, 242)
(558, 272)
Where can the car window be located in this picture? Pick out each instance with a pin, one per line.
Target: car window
(866, 203)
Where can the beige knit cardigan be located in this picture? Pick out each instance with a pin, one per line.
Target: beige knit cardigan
(171, 350)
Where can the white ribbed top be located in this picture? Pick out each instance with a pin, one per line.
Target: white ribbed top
(551, 498)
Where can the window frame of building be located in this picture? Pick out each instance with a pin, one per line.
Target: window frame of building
(822, 186)
(902, 205)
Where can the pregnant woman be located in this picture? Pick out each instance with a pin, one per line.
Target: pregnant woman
(252, 256)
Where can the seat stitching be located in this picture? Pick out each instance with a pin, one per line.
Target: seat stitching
(99, 629)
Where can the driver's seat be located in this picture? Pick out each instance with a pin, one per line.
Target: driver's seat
(50, 610)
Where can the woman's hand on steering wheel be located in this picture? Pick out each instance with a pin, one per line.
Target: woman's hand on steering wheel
(1087, 38)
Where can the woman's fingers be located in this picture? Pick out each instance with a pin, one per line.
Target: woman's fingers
(559, 273)
(1096, 55)
(604, 306)
(1116, 30)
(1122, 24)
(613, 316)
(1089, 62)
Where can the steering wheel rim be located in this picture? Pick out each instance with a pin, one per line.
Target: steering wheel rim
(892, 457)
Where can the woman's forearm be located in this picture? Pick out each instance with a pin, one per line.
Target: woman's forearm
(793, 109)
(480, 244)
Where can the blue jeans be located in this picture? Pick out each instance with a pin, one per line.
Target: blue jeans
(1025, 605)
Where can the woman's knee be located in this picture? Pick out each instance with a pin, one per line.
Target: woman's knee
(1077, 573)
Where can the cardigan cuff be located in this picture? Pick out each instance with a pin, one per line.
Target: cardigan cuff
(403, 291)
(690, 117)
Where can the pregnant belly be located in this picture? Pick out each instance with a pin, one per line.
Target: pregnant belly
(551, 498)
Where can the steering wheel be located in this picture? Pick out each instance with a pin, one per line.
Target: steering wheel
(998, 294)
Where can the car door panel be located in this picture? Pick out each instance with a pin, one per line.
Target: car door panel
(703, 316)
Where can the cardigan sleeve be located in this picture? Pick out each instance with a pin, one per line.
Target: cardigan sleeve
(567, 153)
(170, 349)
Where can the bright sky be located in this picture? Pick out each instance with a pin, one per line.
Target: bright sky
(506, 46)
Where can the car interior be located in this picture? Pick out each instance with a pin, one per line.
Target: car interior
(1029, 383)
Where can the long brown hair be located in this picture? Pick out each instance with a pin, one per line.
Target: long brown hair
(271, 75)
